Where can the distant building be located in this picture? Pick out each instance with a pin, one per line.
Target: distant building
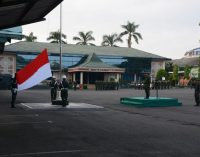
(192, 53)
(190, 58)
(86, 64)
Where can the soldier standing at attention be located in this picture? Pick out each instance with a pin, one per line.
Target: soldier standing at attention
(54, 86)
(64, 85)
(197, 92)
(13, 91)
(74, 84)
(147, 85)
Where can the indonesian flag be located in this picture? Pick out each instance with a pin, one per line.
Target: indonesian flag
(35, 72)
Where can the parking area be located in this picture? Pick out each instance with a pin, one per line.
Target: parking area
(96, 124)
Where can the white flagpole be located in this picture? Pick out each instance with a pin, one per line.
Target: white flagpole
(60, 41)
(59, 92)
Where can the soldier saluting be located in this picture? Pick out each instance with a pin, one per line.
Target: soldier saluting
(64, 85)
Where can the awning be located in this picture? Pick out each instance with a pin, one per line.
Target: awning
(20, 12)
(11, 33)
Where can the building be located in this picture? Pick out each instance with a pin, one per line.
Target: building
(192, 53)
(191, 58)
(97, 62)
(93, 69)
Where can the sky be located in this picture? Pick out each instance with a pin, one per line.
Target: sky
(169, 27)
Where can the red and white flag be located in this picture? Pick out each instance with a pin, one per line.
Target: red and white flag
(35, 72)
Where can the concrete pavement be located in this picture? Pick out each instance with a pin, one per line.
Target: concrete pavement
(116, 130)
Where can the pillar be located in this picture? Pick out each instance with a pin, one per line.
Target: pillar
(135, 77)
(74, 77)
(117, 77)
(81, 78)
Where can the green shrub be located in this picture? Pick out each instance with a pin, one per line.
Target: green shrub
(161, 73)
(85, 86)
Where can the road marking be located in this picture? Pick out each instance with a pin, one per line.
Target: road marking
(26, 105)
(70, 106)
(25, 123)
(40, 153)
(28, 115)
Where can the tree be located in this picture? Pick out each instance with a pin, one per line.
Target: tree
(187, 70)
(84, 38)
(55, 37)
(175, 73)
(161, 73)
(130, 30)
(110, 40)
(30, 37)
(168, 66)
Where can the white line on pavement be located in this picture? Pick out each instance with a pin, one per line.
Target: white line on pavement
(24, 123)
(28, 115)
(40, 153)
(26, 105)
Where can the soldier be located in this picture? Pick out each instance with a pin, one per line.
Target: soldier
(13, 91)
(64, 85)
(147, 85)
(197, 92)
(117, 85)
(54, 87)
(74, 85)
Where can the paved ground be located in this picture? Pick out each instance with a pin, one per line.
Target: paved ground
(112, 131)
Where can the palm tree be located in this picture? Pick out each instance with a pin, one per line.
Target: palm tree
(30, 37)
(130, 30)
(55, 37)
(84, 38)
(110, 40)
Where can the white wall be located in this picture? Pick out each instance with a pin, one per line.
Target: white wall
(7, 64)
(155, 66)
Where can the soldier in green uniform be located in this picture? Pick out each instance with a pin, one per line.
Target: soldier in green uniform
(13, 91)
(54, 87)
(74, 85)
(147, 82)
(64, 85)
(197, 92)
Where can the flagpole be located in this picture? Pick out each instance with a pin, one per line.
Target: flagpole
(60, 41)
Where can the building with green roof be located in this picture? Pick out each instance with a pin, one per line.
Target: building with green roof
(130, 63)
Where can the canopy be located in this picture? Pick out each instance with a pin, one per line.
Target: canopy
(19, 12)
(11, 33)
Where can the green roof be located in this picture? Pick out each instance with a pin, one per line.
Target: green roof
(192, 61)
(92, 61)
(36, 47)
(93, 64)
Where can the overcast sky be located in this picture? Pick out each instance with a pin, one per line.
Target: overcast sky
(169, 27)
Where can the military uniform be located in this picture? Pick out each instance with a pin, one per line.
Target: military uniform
(54, 87)
(147, 86)
(197, 93)
(75, 84)
(14, 92)
(64, 85)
